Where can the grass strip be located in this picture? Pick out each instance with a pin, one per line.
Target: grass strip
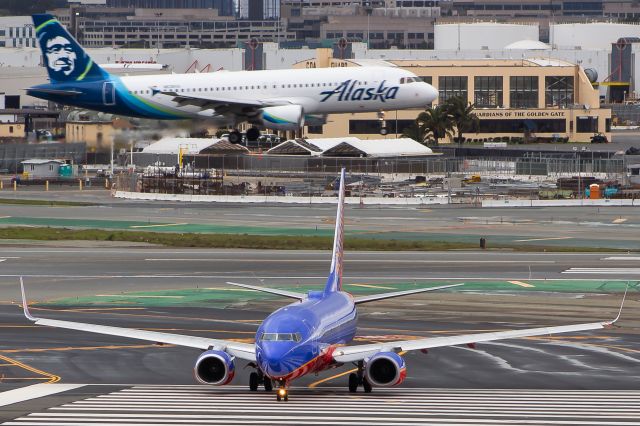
(44, 202)
(266, 242)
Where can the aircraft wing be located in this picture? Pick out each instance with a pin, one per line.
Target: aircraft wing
(374, 297)
(243, 351)
(284, 293)
(222, 105)
(345, 354)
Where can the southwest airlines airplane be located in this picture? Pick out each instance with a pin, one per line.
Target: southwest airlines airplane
(275, 99)
(310, 335)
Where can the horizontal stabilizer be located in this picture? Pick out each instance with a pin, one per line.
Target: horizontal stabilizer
(284, 293)
(374, 297)
(57, 92)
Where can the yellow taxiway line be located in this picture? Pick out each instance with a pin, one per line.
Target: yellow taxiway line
(52, 378)
(521, 284)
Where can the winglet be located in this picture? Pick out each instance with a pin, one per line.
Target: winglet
(25, 306)
(334, 282)
(624, 297)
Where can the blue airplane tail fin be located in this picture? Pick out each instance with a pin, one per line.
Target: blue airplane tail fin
(64, 58)
(334, 282)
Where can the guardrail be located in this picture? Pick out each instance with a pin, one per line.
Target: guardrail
(561, 203)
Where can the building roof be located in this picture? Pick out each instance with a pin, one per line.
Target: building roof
(39, 161)
(351, 147)
(223, 146)
(172, 145)
(527, 45)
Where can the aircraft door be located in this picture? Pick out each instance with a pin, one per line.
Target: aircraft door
(108, 93)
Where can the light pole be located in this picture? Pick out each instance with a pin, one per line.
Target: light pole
(75, 25)
(158, 15)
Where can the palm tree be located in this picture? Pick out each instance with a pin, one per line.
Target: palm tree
(433, 123)
(462, 115)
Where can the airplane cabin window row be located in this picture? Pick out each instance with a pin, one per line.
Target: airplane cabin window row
(230, 88)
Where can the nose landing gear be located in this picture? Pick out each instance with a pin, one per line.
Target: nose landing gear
(282, 392)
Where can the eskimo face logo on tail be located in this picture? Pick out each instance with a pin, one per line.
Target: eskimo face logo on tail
(61, 58)
(347, 91)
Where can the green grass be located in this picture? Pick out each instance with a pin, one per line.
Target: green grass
(44, 202)
(277, 242)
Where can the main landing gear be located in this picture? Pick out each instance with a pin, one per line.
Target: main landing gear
(258, 378)
(356, 379)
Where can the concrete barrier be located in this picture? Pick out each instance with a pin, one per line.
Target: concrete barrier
(560, 203)
(261, 199)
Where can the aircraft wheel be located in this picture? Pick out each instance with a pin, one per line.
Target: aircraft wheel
(268, 385)
(278, 397)
(366, 385)
(235, 137)
(286, 398)
(253, 134)
(353, 382)
(384, 131)
(253, 381)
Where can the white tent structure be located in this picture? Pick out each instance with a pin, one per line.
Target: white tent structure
(352, 147)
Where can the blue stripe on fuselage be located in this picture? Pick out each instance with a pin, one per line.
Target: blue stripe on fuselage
(92, 97)
(321, 322)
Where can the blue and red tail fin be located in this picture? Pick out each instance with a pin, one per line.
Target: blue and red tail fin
(64, 58)
(334, 282)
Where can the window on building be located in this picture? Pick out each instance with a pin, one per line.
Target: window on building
(488, 91)
(372, 127)
(315, 129)
(10, 129)
(522, 126)
(452, 86)
(558, 91)
(524, 92)
(587, 124)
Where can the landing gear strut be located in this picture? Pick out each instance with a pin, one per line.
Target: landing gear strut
(357, 379)
(258, 378)
(253, 134)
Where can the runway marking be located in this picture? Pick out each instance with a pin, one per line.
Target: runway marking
(403, 261)
(603, 271)
(544, 239)
(630, 258)
(139, 296)
(160, 225)
(52, 378)
(32, 392)
(521, 284)
(372, 286)
(197, 405)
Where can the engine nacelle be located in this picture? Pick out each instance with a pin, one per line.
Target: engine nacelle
(214, 368)
(286, 117)
(385, 369)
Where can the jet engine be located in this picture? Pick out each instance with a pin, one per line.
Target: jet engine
(285, 117)
(214, 368)
(385, 369)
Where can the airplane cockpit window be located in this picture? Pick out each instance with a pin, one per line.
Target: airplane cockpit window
(407, 80)
(281, 337)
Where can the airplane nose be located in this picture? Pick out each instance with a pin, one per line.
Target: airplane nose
(432, 93)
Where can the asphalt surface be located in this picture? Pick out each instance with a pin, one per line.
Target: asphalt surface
(607, 227)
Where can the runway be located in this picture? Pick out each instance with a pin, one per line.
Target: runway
(197, 405)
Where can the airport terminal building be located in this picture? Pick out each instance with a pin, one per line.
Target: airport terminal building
(517, 100)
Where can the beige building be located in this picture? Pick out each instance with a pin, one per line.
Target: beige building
(516, 100)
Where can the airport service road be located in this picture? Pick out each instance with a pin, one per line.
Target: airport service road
(52, 272)
(610, 227)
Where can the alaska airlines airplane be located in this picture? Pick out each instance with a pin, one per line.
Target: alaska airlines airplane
(311, 335)
(274, 99)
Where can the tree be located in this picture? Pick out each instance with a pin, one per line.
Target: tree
(462, 115)
(433, 123)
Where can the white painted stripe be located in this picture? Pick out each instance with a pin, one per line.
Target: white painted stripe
(34, 391)
(621, 258)
(250, 419)
(411, 261)
(475, 410)
(603, 271)
(544, 239)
